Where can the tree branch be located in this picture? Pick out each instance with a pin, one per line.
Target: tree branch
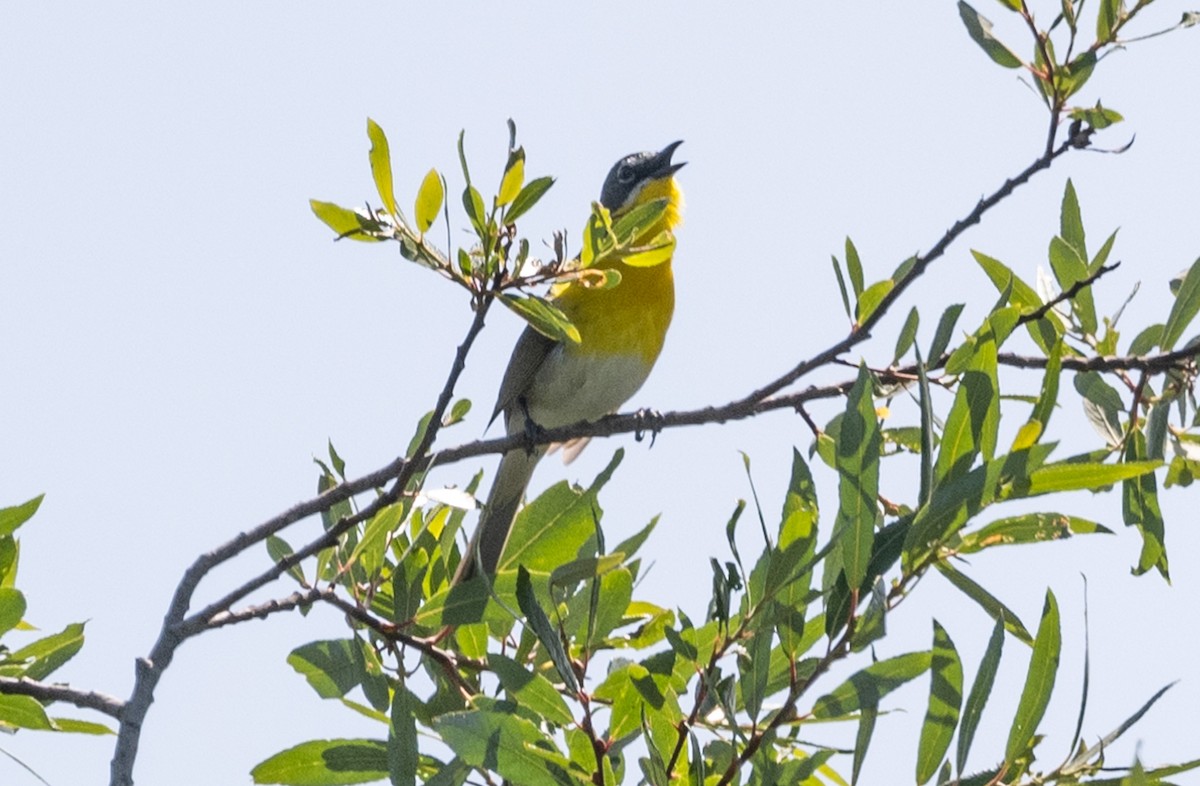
(48, 692)
(176, 629)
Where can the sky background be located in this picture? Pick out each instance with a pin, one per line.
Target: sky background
(179, 337)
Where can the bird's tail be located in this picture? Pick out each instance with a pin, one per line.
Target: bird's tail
(516, 468)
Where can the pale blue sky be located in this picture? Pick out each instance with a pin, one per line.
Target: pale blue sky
(180, 336)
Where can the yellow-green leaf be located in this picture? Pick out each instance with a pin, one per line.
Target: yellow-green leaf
(429, 200)
(514, 177)
(381, 167)
(347, 223)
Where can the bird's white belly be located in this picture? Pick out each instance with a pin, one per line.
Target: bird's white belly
(570, 386)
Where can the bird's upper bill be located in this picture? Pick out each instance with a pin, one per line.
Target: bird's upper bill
(661, 165)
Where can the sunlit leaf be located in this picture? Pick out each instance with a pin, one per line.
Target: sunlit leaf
(543, 316)
(981, 689)
(514, 177)
(429, 200)
(945, 702)
(866, 687)
(1039, 682)
(381, 167)
(858, 479)
(1183, 311)
(325, 763)
(528, 197)
(347, 223)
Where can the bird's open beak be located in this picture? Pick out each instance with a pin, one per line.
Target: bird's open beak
(662, 161)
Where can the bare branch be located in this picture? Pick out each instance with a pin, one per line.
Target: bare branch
(1178, 360)
(47, 692)
(176, 630)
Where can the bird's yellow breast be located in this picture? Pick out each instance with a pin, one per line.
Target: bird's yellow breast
(631, 318)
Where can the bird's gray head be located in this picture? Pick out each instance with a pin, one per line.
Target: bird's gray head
(632, 172)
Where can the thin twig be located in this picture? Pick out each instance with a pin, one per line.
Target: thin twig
(48, 692)
(175, 629)
(1068, 294)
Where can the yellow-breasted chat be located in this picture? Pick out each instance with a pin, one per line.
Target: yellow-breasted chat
(551, 383)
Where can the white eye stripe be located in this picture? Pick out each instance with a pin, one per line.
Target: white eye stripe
(626, 174)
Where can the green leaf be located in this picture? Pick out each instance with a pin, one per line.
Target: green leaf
(530, 690)
(12, 608)
(925, 401)
(376, 536)
(1107, 19)
(333, 667)
(1140, 508)
(841, 282)
(15, 516)
(908, 335)
(1183, 311)
(635, 226)
(1028, 528)
(347, 223)
(476, 213)
(945, 702)
(862, 741)
(553, 529)
(1075, 74)
(528, 197)
(325, 763)
(49, 653)
(1147, 340)
(858, 479)
(944, 332)
(403, 751)
(1048, 397)
(429, 200)
(514, 177)
(75, 726)
(1071, 223)
(988, 602)
(980, 30)
(539, 623)
(1070, 476)
(1045, 331)
(8, 561)
(870, 299)
(866, 687)
(658, 251)
(854, 268)
(981, 689)
(753, 667)
(23, 712)
(1039, 683)
(543, 316)
(381, 167)
(1070, 268)
(1098, 117)
(503, 742)
(795, 547)
(974, 419)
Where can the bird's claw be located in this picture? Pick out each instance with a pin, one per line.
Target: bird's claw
(533, 433)
(648, 420)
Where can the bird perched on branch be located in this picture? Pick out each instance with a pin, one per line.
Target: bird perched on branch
(552, 383)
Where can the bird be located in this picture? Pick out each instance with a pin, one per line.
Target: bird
(622, 329)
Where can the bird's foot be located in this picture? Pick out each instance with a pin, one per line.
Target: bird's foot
(649, 421)
(533, 434)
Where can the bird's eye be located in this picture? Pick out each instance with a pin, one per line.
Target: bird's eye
(626, 174)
